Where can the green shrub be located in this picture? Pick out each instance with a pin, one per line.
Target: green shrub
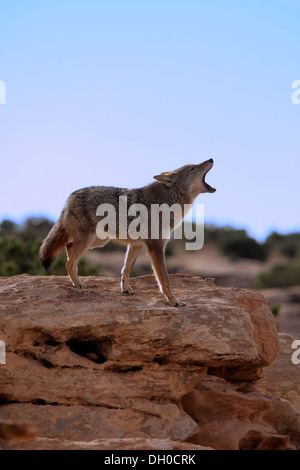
(20, 245)
(287, 245)
(280, 276)
(8, 226)
(290, 246)
(237, 244)
(169, 250)
(275, 309)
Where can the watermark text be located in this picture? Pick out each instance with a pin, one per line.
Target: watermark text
(156, 221)
(2, 353)
(296, 94)
(2, 92)
(296, 354)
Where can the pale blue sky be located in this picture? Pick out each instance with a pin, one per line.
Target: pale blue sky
(113, 92)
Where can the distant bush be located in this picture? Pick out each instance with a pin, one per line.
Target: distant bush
(35, 227)
(290, 246)
(287, 245)
(274, 239)
(238, 244)
(8, 226)
(169, 250)
(230, 241)
(19, 250)
(215, 234)
(112, 246)
(280, 276)
(275, 308)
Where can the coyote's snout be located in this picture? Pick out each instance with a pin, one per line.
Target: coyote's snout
(77, 229)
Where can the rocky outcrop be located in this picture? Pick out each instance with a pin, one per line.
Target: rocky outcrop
(236, 416)
(282, 378)
(44, 443)
(93, 365)
(11, 432)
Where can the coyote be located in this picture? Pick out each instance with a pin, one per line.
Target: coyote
(76, 228)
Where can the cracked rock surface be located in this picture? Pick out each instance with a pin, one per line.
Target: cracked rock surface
(93, 364)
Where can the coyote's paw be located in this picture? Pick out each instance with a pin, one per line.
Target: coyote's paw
(176, 303)
(179, 303)
(127, 290)
(79, 285)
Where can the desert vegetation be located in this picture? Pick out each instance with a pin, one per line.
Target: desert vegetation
(19, 249)
(20, 243)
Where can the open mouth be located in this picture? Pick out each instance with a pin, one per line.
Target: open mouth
(208, 187)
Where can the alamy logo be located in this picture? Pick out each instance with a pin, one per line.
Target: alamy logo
(157, 222)
(296, 354)
(2, 353)
(2, 92)
(296, 94)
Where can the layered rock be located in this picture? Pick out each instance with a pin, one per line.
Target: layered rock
(11, 432)
(235, 416)
(282, 378)
(94, 364)
(44, 443)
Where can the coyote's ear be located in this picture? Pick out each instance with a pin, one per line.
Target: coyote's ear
(167, 178)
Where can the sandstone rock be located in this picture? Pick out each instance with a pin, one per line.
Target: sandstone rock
(99, 328)
(10, 432)
(25, 379)
(108, 444)
(237, 417)
(282, 378)
(90, 364)
(79, 423)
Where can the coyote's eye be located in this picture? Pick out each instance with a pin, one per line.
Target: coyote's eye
(193, 169)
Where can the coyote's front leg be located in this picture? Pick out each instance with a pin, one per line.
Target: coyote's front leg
(157, 253)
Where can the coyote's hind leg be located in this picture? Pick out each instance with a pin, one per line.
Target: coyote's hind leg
(75, 251)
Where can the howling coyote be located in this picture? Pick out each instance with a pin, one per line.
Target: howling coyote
(78, 227)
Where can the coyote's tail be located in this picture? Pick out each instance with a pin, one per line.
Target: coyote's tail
(53, 244)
